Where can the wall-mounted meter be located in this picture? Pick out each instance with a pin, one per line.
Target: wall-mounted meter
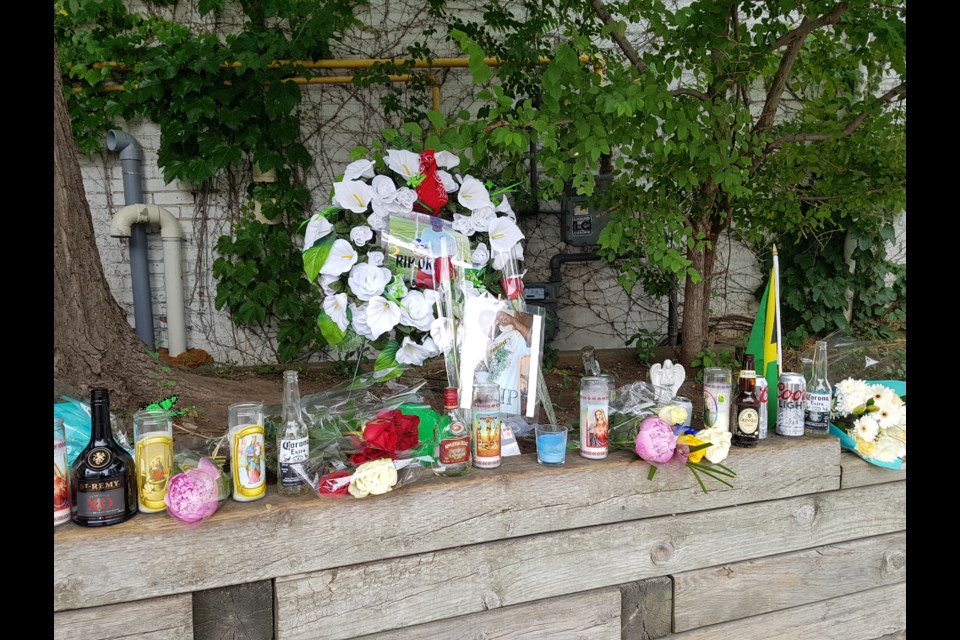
(581, 218)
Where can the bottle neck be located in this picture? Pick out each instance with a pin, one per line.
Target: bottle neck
(100, 423)
(291, 399)
(820, 362)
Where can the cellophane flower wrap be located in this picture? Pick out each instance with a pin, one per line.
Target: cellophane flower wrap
(870, 418)
(654, 432)
(193, 494)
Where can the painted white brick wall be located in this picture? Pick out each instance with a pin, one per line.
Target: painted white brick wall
(594, 308)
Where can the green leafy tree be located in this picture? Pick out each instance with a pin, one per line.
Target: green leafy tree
(750, 116)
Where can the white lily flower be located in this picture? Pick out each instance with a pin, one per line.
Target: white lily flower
(358, 169)
(473, 194)
(375, 258)
(359, 321)
(417, 309)
(411, 353)
(501, 258)
(449, 184)
(325, 282)
(382, 316)
(406, 163)
(441, 331)
(335, 306)
(480, 256)
(504, 235)
(430, 346)
(342, 257)
(361, 235)
(505, 208)
(318, 227)
(367, 281)
(464, 224)
(354, 195)
(446, 159)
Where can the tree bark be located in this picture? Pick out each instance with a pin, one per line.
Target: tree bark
(695, 325)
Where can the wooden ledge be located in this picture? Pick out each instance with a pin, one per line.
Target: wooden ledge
(152, 555)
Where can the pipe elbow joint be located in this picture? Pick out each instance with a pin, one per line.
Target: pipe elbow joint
(125, 143)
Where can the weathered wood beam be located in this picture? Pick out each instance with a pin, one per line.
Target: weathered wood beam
(168, 618)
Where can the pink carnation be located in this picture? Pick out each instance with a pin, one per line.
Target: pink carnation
(194, 494)
(655, 440)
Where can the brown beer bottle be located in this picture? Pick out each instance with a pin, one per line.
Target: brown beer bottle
(746, 407)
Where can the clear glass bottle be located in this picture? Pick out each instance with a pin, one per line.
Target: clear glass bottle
(451, 457)
(817, 399)
(103, 485)
(293, 440)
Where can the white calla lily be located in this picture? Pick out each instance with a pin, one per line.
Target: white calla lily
(354, 195)
(367, 280)
(446, 159)
(382, 316)
(505, 208)
(406, 163)
(473, 194)
(501, 258)
(449, 184)
(318, 227)
(430, 346)
(441, 330)
(417, 309)
(325, 282)
(504, 235)
(411, 353)
(335, 306)
(359, 321)
(361, 235)
(359, 169)
(342, 257)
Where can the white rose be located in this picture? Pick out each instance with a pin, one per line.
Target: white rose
(404, 202)
(483, 216)
(441, 330)
(373, 478)
(359, 321)
(361, 235)
(480, 256)
(367, 281)
(464, 224)
(673, 415)
(417, 309)
(720, 441)
(378, 221)
(384, 191)
(375, 258)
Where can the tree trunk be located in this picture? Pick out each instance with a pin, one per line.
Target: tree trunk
(93, 344)
(696, 296)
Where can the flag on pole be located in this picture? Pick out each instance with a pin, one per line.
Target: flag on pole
(764, 342)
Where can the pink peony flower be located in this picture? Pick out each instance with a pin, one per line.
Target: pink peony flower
(655, 440)
(193, 495)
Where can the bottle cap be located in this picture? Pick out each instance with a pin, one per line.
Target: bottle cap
(450, 397)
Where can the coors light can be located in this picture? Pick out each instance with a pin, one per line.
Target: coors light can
(790, 391)
(762, 391)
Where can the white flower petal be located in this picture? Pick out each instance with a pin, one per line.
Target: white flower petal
(480, 256)
(375, 258)
(441, 330)
(411, 353)
(384, 190)
(367, 281)
(361, 235)
(358, 169)
(406, 163)
(325, 282)
(464, 224)
(353, 195)
(359, 321)
(720, 439)
(430, 346)
(417, 310)
(342, 257)
(483, 216)
(449, 184)
(504, 235)
(505, 208)
(335, 306)
(382, 316)
(446, 159)
(318, 227)
(473, 194)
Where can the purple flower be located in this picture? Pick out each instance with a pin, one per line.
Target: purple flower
(656, 441)
(193, 495)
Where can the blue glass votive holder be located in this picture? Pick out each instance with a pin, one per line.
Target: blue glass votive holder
(551, 444)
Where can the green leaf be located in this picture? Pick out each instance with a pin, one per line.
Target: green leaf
(315, 256)
(388, 356)
(436, 119)
(331, 332)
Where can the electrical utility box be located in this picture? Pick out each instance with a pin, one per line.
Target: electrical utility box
(544, 295)
(581, 217)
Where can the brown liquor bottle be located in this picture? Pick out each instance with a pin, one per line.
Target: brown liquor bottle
(746, 407)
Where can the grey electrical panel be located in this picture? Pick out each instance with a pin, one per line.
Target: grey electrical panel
(582, 218)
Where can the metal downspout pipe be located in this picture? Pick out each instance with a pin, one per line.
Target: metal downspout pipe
(131, 162)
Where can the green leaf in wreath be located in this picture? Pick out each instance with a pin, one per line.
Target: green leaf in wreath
(315, 256)
(387, 357)
(331, 332)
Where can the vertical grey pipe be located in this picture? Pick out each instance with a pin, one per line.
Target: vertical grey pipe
(131, 162)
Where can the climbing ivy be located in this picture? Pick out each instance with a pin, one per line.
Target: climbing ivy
(213, 117)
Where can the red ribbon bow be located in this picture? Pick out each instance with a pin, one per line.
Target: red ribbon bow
(430, 191)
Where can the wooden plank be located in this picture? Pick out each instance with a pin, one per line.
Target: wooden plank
(594, 615)
(646, 609)
(518, 499)
(732, 591)
(168, 618)
(238, 612)
(857, 472)
(866, 615)
(357, 600)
